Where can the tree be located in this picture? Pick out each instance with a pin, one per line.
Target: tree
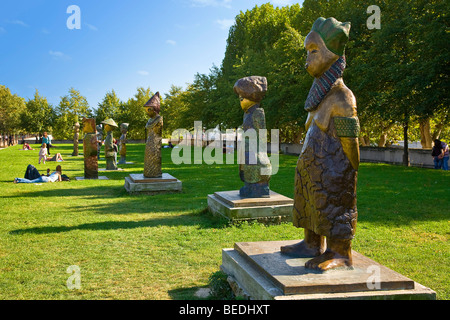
(70, 106)
(38, 116)
(109, 108)
(11, 107)
(133, 112)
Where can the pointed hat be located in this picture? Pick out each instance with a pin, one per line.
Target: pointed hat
(154, 102)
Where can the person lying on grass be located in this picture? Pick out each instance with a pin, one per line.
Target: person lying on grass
(54, 177)
(26, 146)
(43, 155)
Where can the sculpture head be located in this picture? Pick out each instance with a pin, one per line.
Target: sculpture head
(325, 44)
(153, 106)
(124, 127)
(89, 125)
(110, 125)
(251, 90)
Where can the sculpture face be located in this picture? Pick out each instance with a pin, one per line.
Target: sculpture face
(319, 59)
(108, 128)
(151, 112)
(89, 125)
(246, 103)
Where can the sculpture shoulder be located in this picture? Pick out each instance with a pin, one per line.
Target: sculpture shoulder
(339, 102)
(343, 102)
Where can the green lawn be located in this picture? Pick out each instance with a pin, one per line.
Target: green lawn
(167, 246)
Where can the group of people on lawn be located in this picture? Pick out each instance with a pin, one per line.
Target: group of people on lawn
(32, 175)
(440, 155)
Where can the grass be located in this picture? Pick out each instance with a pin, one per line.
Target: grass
(168, 246)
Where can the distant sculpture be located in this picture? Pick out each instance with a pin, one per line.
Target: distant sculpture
(90, 149)
(326, 175)
(110, 148)
(152, 161)
(256, 171)
(123, 143)
(100, 139)
(76, 137)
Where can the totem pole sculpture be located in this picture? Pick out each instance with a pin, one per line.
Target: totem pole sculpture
(90, 149)
(152, 161)
(76, 137)
(123, 143)
(110, 148)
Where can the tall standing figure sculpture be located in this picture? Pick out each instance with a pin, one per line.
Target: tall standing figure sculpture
(256, 170)
(110, 148)
(326, 175)
(100, 139)
(76, 138)
(123, 143)
(152, 161)
(90, 149)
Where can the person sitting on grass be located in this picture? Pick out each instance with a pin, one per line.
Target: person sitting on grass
(26, 146)
(54, 177)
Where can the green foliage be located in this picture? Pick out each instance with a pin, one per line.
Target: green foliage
(11, 107)
(38, 116)
(72, 108)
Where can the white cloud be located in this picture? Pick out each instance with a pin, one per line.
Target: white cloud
(171, 42)
(143, 73)
(92, 27)
(211, 3)
(225, 24)
(18, 22)
(58, 55)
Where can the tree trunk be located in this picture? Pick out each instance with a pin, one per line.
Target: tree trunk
(406, 162)
(425, 134)
(382, 141)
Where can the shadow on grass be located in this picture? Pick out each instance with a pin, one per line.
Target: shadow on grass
(202, 220)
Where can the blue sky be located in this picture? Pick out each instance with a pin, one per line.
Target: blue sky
(121, 45)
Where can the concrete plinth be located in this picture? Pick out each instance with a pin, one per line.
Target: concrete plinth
(263, 273)
(138, 184)
(99, 178)
(230, 205)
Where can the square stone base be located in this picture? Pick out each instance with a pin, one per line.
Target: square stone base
(230, 205)
(260, 271)
(138, 184)
(99, 178)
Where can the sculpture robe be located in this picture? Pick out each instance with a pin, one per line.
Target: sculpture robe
(152, 161)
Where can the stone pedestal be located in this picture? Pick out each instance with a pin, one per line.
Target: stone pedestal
(263, 273)
(98, 178)
(138, 184)
(229, 204)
